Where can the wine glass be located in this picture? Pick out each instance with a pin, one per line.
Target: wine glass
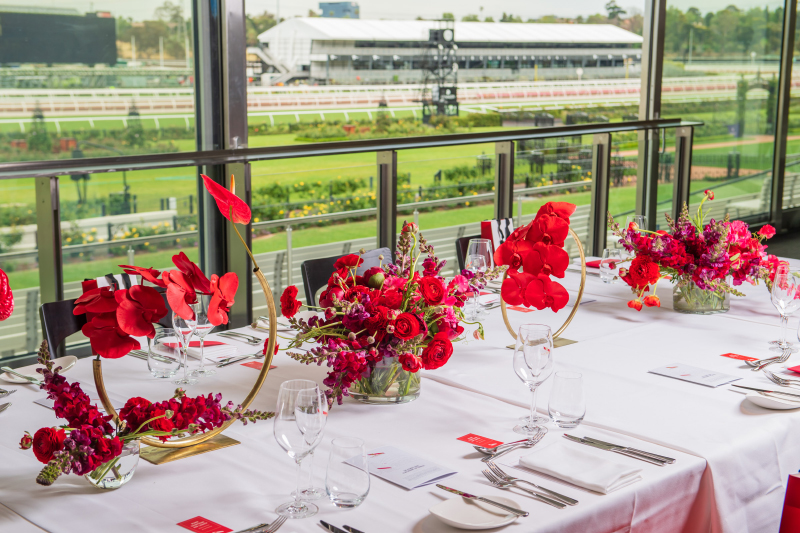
(164, 354)
(203, 327)
(310, 492)
(639, 222)
(299, 423)
(784, 298)
(533, 364)
(482, 247)
(477, 265)
(184, 329)
(609, 265)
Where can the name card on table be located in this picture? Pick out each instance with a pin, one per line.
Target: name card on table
(692, 374)
(477, 440)
(401, 468)
(198, 524)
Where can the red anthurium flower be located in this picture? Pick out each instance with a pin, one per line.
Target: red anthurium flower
(138, 308)
(548, 229)
(223, 290)
(541, 293)
(635, 304)
(6, 297)
(512, 253)
(192, 272)
(100, 300)
(652, 301)
(231, 206)
(107, 338)
(513, 289)
(562, 210)
(546, 259)
(180, 294)
(348, 261)
(149, 274)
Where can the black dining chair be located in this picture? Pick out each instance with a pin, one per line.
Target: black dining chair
(462, 245)
(316, 272)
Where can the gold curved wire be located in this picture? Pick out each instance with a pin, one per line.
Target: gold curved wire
(262, 376)
(577, 302)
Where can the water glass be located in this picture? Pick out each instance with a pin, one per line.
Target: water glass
(477, 265)
(164, 354)
(567, 405)
(203, 327)
(482, 247)
(609, 265)
(347, 478)
(533, 364)
(784, 298)
(184, 329)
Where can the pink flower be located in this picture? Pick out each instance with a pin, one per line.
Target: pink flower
(767, 231)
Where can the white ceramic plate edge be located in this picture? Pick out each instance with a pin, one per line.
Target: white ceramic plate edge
(65, 362)
(448, 510)
(771, 402)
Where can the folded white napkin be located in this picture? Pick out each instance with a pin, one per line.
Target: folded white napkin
(582, 468)
(212, 352)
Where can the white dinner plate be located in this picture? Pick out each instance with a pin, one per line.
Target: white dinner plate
(772, 402)
(65, 363)
(470, 514)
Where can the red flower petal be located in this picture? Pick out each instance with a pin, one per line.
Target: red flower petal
(548, 229)
(194, 275)
(231, 206)
(6, 297)
(560, 209)
(149, 274)
(100, 300)
(513, 289)
(224, 290)
(106, 338)
(635, 304)
(547, 259)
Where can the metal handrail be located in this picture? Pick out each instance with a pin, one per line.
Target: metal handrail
(34, 169)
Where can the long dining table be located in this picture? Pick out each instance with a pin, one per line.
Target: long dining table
(733, 458)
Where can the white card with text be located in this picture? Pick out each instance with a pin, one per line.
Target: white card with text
(401, 468)
(692, 374)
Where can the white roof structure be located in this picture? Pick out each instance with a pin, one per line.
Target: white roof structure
(291, 40)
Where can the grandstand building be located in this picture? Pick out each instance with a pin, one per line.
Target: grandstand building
(348, 51)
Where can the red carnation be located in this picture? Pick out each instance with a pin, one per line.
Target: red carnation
(410, 362)
(406, 326)
(767, 231)
(107, 338)
(433, 290)
(391, 299)
(107, 449)
(6, 297)
(289, 302)
(231, 206)
(46, 442)
(348, 261)
(223, 291)
(437, 352)
(134, 413)
(192, 272)
(139, 307)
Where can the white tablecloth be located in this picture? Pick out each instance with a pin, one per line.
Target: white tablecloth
(732, 457)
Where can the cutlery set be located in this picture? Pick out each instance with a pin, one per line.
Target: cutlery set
(265, 528)
(141, 354)
(334, 529)
(653, 459)
(29, 379)
(238, 359)
(761, 364)
(502, 449)
(241, 337)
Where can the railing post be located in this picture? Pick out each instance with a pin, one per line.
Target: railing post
(504, 179)
(519, 211)
(601, 166)
(386, 199)
(683, 169)
(48, 242)
(289, 263)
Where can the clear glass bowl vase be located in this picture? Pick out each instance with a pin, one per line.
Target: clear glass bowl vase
(388, 383)
(689, 298)
(119, 470)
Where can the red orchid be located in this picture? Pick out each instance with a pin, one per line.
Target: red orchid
(231, 206)
(6, 297)
(223, 291)
(547, 259)
(138, 308)
(562, 210)
(180, 293)
(548, 229)
(107, 338)
(513, 289)
(100, 300)
(541, 293)
(149, 274)
(192, 272)
(512, 253)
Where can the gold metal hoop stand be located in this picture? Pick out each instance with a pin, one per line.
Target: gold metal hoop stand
(577, 302)
(202, 437)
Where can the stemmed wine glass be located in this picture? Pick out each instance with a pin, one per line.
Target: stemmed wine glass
(784, 298)
(184, 329)
(299, 423)
(203, 327)
(482, 247)
(533, 364)
(477, 265)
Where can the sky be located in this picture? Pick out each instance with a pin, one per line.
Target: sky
(408, 9)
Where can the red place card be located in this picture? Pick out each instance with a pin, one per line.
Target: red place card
(480, 441)
(739, 357)
(520, 309)
(198, 524)
(257, 365)
(795, 369)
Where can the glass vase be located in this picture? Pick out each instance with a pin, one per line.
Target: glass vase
(388, 383)
(119, 470)
(689, 298)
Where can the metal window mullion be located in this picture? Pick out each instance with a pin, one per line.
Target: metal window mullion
(386, 199)
(683, 169)
(48, 242)
(601, 166)
(504, 180)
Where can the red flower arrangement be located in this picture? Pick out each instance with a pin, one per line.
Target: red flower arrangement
(114, 316)
(533, 254)
(88, 443)
(6, 297)
(695, 254)
(391, 311)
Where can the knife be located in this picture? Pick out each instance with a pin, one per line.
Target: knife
(759, 390)
(239, 359)
(21, 376)
(331, 527)
(512, 510)
(4, 407)
(634, 450)
(352, 529)
(631, 454)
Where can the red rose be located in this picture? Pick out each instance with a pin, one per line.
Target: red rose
(376, 323)
(433, 290)
(549, 229)
(652, 301)
(192, 272)
(100, 300)
(391, 299)
(547, 259)
(635, 304)
(767, 231)
(289, 303)
(139, 307)
(107, 338)
(406, 326)
(642, 272)
(6, 297)
(542, 292)
(46, 442)
(513, 289)
(26, 441)
(410, 362)
(348, 261)
(223, 290)
(437, 352)
(107, 449)
(135, 413)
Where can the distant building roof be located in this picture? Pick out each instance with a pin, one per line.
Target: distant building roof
(39, 10)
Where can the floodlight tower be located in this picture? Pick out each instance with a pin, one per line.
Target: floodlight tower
(439, 94)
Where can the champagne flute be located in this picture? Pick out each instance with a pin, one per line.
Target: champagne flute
(203, 327)
(299, 423)
(477, 265)
(184, 329)
(533, 364)
(784, 298)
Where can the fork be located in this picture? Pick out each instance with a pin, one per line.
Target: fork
(241, 337)
(781, 359)
(274, 526)
(505, 477)
(530, 442)
(4, 393)
(784, 382)
(496, 482)
(759, 362)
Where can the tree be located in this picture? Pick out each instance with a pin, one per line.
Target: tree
(510, 18)
(489, 19)
(312, 13)
(448, 16)
(255, 25)
(614, 11)
(169, 12)
(470, 18)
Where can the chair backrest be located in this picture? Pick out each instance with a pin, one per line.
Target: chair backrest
(462, 244)
(119, 281)
(316, 272)
(58, 321)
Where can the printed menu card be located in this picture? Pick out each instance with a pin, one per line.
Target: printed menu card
(401, 468)
(692, 374)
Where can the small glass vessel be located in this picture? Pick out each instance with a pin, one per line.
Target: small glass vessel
(387, 383)
(119, 470)
(689, 298)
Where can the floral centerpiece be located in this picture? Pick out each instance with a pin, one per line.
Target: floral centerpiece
(706, 262)
(106, 450)
(6, 297)
(378, 329)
